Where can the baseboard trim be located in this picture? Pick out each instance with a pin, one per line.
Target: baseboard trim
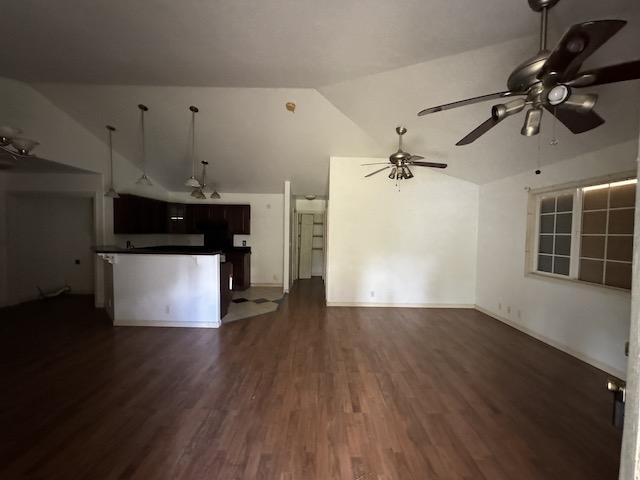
(555, 344)
(279, 285)
(157, 323)
(400, 305)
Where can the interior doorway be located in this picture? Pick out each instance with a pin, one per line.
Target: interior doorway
(50, 245)
(310, 240)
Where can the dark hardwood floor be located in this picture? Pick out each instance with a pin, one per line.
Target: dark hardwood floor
(305, 393)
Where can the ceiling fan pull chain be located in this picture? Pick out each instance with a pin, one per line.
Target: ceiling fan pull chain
(554, 139)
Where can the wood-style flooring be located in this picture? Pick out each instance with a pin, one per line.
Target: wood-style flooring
(307, 392)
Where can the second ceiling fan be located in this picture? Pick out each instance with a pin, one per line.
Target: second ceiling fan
(400, 161)
(546, 80)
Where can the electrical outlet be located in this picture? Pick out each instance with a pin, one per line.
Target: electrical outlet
(519, 314)
(499, 306)
(167, 309)
(508, 309)
(372, 293)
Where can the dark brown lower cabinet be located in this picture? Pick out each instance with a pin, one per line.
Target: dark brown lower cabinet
(226, 272)
(241, 260)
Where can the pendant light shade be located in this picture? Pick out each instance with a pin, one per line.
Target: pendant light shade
(215, 195)
(111, 192)
(192, 181)
(144, 179)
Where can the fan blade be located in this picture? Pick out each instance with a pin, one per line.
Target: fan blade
(575, 121)
(469, 101)
(479, 131)
(415, 157)
(576, 45)
(377, 163)
(611, 74)
(377, 171)
(430, 164)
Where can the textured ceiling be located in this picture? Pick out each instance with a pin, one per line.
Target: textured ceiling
(240, 43)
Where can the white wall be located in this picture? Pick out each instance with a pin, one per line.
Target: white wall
(48, 234)
(590, 322)
(65, 141)
(267, 227)
(413, 247)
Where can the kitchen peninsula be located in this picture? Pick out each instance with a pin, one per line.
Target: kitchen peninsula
(166, 286)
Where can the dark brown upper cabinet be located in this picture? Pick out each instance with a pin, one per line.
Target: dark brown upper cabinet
(139, 215)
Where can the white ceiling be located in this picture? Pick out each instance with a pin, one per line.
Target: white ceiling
(369, 66)
(241, 43)
(249, 138)
(378, 103)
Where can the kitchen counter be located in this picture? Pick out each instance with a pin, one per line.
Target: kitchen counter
(160, 250)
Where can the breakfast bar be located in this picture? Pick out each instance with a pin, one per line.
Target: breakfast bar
(166, 287)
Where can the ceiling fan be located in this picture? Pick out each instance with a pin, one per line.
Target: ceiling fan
(400, 161)
(547, 80)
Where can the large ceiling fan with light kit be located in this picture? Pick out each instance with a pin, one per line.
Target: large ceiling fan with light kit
(547, 80)
(400, 161)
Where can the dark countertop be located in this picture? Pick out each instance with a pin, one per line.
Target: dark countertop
(159, 250)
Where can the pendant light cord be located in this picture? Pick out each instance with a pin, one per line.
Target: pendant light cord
(193, 143)
(144, 150)
(111, 155)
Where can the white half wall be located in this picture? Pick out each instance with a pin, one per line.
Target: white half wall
(165, 290)
(408, 245)
(267, 227)
(587, 321)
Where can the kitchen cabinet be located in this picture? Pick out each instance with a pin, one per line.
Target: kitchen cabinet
(139, 215)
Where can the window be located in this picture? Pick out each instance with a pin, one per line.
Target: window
(586, 233)
(554, 242)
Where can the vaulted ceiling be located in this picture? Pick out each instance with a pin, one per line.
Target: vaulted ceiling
(355, 69)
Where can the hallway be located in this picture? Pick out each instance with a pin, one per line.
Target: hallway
(306, 392)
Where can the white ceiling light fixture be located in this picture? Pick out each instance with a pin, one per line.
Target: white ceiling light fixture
(143, 180)
(192, 181)
(111, 193)
(14, 145)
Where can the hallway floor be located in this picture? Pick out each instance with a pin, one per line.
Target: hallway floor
(306, 392)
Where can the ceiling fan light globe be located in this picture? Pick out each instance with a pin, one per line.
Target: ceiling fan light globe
(532, 122)
(558, 94)
(581, 103)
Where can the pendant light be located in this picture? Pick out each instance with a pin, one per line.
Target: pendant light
(215, 195)
(192, 181)
(111, 193)
(201, 192)
(143, 180)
